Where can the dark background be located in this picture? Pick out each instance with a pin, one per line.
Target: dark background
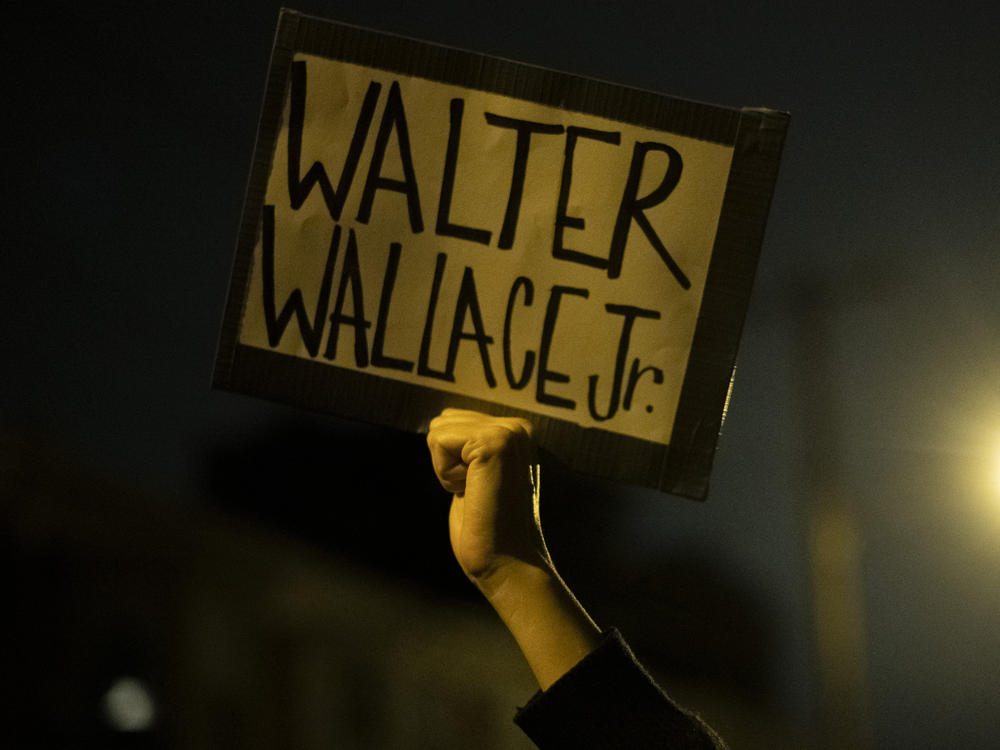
(868, 380)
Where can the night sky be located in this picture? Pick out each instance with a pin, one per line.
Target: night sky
(871, 340)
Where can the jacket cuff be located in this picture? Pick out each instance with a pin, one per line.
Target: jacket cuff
(608, 700)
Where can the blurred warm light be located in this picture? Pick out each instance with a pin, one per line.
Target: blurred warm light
(981, 466)
(989, 463)
(996, 467)
(129, 706)
(989, 478)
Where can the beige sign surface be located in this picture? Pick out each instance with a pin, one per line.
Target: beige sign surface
(472, 288)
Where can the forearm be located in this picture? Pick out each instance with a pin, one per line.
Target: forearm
(495, 529)
(496, 535)
(550, 626)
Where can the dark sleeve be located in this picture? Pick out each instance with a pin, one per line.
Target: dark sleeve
(609, 701)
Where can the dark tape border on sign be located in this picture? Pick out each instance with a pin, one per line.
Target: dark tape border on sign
(398, 54)
(372, 398)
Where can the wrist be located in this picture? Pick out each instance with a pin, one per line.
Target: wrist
(550, 626)
(513, 579)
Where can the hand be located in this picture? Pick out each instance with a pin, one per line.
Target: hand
(486, 462)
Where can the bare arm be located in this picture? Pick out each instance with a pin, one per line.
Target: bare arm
(487, 464)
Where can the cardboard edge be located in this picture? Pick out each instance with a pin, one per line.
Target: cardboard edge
(474, 70)
(711, 365)
(681, 467)
(374, 399)
(268, 125)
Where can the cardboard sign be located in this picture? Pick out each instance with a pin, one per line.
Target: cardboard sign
(427, 227)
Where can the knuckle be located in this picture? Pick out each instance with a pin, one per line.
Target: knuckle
(503, 437)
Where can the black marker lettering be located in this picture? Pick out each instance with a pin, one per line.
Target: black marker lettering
(574, 222)
(444, 226)
(548, 329)
(632, 208)
(529, 356)
(299, 189)
(425, 342)
(393, 119)
(524, 130)
(389, 280)
(633, 378)
(630, 313)
(310, 331)
(350, 274)
(468, 304)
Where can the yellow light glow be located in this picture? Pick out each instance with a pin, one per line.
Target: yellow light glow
(978, 472)
(996, 467)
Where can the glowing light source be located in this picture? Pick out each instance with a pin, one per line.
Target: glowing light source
(996, 466)
(129, 706)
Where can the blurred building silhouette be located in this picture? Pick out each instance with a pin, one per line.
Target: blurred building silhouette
(244, 637)
(273, 621)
